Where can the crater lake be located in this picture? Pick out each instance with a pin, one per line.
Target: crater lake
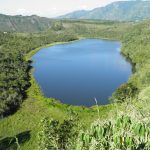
(78, 72)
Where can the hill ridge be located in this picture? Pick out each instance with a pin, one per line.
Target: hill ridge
(120, 11)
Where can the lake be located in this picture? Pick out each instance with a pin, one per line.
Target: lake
(77, 72)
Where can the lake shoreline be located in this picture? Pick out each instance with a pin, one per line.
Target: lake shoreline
(32, 52)
(61, 43)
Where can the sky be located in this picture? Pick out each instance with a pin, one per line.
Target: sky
(48, 8)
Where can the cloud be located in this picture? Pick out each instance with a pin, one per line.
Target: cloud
(23, 11)
(84, 7)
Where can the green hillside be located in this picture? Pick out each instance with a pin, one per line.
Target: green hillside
(24, 23)
(121, 11)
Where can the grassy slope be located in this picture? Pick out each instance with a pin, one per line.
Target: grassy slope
(35, 107)
(94, 29)
(24, 23)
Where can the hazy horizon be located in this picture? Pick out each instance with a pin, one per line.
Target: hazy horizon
(48, 8)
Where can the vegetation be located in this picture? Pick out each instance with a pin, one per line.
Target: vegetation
(24, 23)
(136, 47)
(14, 69)
(74, 127)
(58, 136)
(124, 92)
(124, 133)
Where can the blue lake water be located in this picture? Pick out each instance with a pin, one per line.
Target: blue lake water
(77, 72)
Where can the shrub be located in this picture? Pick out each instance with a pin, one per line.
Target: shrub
(121, 134)
(125, 91)
(56, 135)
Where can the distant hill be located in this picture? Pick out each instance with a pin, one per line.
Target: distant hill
(121, 11)
(24, 23)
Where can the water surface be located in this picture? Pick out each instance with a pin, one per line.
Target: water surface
(76, 73)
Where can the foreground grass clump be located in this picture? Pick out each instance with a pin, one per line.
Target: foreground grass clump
(122, 134)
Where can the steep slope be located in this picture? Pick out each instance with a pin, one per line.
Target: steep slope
(24, 23)
(122, 11)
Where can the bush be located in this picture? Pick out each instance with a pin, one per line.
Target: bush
(55, 135)
(124, 92)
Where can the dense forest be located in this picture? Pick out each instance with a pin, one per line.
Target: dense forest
(15, 70)
(124, 124)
